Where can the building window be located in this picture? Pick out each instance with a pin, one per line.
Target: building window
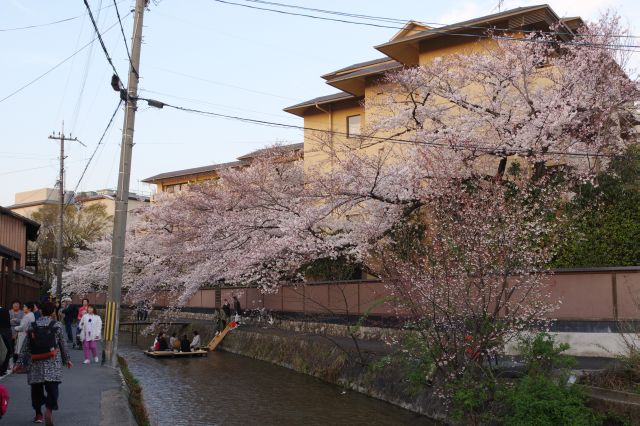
(353, 126)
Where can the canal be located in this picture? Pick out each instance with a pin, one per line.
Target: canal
(229, 389)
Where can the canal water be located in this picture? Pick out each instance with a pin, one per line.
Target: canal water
(228, 389)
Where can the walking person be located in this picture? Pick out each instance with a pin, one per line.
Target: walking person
(90, 330)
(43, 354)
(5, 333)
(36, 310)
(69, 313)
(15, 315)
(25, 323)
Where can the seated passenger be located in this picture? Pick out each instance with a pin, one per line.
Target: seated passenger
(195, 343)
(156, 342)
(162, 343)
(184, 344)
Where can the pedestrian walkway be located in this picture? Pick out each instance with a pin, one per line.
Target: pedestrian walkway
(90, 395)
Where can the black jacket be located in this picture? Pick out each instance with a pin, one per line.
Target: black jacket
(5, 319)
(163, 344)
(184, 345)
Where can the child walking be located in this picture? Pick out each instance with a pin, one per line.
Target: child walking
(90, 329)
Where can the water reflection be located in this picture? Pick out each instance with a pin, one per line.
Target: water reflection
(228, 389)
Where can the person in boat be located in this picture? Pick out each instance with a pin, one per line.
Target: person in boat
(195, 343)
(174, 342)
(184, 344)
(163, 345)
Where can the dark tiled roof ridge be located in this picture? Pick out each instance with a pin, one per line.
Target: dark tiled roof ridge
(358, 65)
(288, 147)
(194, 170)
(468, 22)
(320, 99)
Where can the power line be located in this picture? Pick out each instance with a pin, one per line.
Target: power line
(104, 133)
(404, 21)
(95, 27)
(220, 83)
(55, 66)
(124, 38)
(32, 168)
(28, 27)
(159, 104)
(436, 31)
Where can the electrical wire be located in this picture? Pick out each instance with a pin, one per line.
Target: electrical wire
(55, 66)
(28, 27)
(157, 103)
(404, 21)
(220, 83)
(124, 38)
(616, 46)
(33, 168)
(97, 31)
(104, 133)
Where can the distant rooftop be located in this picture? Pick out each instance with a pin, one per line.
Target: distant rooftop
(243, 160)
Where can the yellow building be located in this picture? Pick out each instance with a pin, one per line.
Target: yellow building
(342, 115)
(28, 202)
(175, 181)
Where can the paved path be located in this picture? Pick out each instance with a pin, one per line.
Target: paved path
(90, 395)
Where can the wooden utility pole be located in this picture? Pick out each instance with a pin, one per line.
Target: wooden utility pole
(112, 317)
(60, 237)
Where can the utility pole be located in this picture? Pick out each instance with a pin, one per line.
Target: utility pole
(112, 317)
(59, 252)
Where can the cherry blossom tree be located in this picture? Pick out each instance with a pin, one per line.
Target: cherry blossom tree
(451, 195)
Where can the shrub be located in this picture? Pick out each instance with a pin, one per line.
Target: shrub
(542, 354)
(603, 218)
(539, 400)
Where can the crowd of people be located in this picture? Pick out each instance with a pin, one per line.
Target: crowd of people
(173, 343)
(35, 338)
(33, 342)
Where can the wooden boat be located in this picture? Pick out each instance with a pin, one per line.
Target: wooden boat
(172, 354)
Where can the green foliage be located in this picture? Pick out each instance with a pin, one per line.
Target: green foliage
(542, 354)
(538, 400)
(134, 390)
(328, 269)
(605, 218)
(414, 359)
(543, 396)
(472, 400)
(82, 226)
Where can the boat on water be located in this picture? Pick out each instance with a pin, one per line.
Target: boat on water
(175, 354)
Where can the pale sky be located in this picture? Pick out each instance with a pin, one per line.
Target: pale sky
(197, 53)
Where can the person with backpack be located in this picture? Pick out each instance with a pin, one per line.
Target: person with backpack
(90, 330)
(25, 323)
(43, 354)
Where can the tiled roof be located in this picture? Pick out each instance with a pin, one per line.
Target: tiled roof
(194, 171)
(378, 69)
(322, 100)
(483, 20)
(356, 66)
(290, 147)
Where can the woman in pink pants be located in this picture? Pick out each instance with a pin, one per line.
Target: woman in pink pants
(90, 330)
